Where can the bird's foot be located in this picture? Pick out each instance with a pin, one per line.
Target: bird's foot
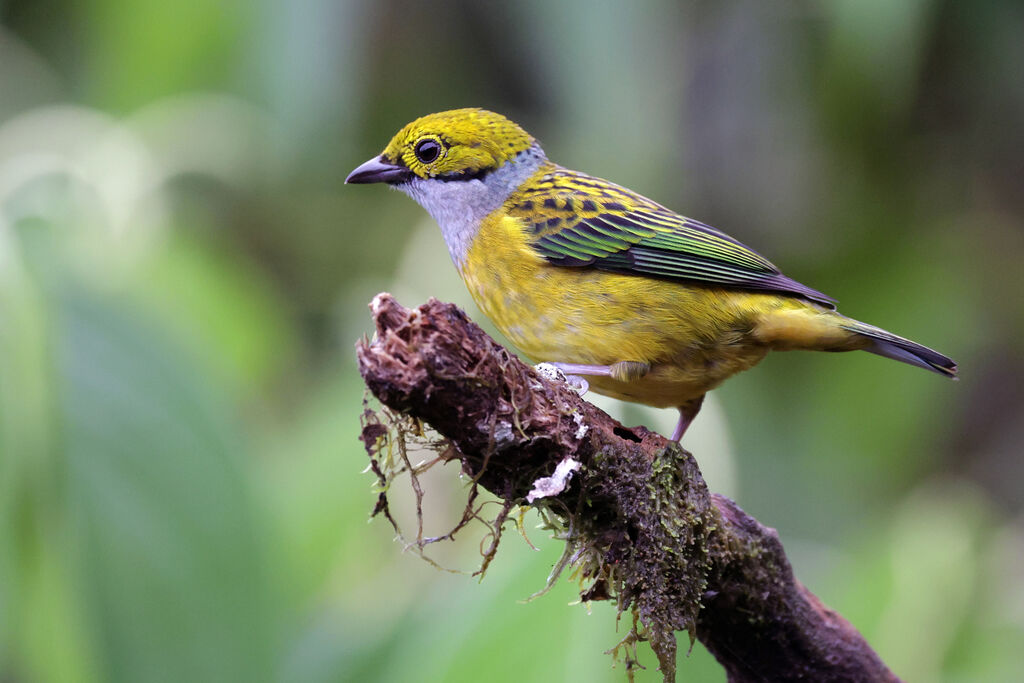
(559, 372)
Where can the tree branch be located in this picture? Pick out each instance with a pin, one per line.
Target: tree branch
(642, 525)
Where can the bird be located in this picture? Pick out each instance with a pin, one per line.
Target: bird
(639, 302)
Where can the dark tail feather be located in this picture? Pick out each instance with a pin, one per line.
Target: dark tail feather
(889, 345)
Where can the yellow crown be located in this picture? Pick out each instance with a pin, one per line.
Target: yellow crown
(457, 143)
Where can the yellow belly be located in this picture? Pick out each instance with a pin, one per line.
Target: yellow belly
(693, 337)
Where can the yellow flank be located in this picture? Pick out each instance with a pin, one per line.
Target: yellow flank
(693, 337)
(801, 325)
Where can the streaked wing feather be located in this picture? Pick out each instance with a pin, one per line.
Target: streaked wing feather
(628, 233)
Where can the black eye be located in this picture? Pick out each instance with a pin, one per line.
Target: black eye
(427, 150)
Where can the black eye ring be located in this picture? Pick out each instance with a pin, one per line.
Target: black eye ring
(427, 150)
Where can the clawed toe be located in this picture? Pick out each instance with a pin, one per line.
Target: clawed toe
(552, 371)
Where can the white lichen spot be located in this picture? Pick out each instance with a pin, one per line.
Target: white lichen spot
(556, 483)
(581, 428)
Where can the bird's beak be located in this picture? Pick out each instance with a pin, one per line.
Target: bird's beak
(376, 170)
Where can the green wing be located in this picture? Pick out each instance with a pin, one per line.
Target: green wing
(588, 222)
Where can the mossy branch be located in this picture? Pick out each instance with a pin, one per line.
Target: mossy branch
(643, 528)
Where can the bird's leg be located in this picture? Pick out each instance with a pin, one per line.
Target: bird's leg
(575, 373)
(687, 412)
(624, 371)
(577, 369)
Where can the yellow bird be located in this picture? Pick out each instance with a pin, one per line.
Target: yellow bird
(647, 305)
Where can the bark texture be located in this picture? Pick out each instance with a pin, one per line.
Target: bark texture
(641, 523)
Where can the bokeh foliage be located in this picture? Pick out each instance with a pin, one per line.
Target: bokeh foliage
(182, 276)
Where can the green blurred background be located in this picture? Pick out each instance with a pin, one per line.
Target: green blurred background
(183, 275)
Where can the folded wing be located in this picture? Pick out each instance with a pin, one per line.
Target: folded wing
(588, 222)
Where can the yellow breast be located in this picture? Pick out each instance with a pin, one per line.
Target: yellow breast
(693, 337)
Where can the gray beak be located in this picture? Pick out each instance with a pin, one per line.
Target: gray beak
(377, 170)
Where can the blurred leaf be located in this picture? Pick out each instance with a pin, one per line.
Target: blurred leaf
(147, 49)
(223, 309)
(42, 629)
(165, 538)
(913, 581)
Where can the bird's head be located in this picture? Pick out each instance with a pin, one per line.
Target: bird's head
(456, 145)
(460, 165)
